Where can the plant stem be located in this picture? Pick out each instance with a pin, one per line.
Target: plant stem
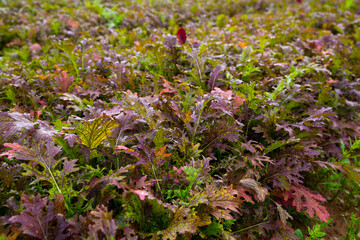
(243, 229)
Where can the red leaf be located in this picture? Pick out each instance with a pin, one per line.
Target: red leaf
(18, 152)
(63, 80)
(181, 36)
(305, 199)
(243, 194)
(141, 193)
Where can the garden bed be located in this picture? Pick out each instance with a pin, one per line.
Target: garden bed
(180, 119)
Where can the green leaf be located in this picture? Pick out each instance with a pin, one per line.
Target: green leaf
(10, 94)
(315, 232)
(213, 229)
(348, 3)
(278, 144)
(299, 233)
(353, 173)
(96, 131)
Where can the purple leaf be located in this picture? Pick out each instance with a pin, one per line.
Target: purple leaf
(142, 151)
(23, 125)
(68, 166)
(36, 220)
(257, 160)
(220, 132)
(103, 222)
(249, 146)
(333, 165)
(286, 127)
(287, 171)
(315, 120)
(112, 179)
(214, 76)
(223, 105)
(51, 150)
(170, 41)
(12, 123)
(71, 138)
(45, 131)
(130, 233)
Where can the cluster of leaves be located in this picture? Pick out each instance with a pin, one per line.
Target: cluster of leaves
(176, 119)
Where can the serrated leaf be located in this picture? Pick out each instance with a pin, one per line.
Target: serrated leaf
(69, 166)
(112, 178)
(36, 219)
(59, 203)
(203, 216)
(352, 173)
(102, 221)
(71, 138)
(221, 201)
(96, 131)
(284, 215)
(63, 80)
(181, 222)
(255, 186)
(21, 125)
(278, 144)
(8, 173)
(214, 76)
(241, 193)
(304, 199)
(224, 197)
(287, 171)
(40, 152)
(170, 41)
(12, 123)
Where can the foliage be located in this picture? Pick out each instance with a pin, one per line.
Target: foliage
(352, 229)
(178, 119)
(314, 233)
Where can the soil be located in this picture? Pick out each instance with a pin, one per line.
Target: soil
(337, 227)
(338, 212)
(336, 230)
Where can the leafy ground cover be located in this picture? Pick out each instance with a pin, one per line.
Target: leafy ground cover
(219, 119)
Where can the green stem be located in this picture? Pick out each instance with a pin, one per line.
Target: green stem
(55, 183)
(52, 176)
(157, 181)
(243, 229)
